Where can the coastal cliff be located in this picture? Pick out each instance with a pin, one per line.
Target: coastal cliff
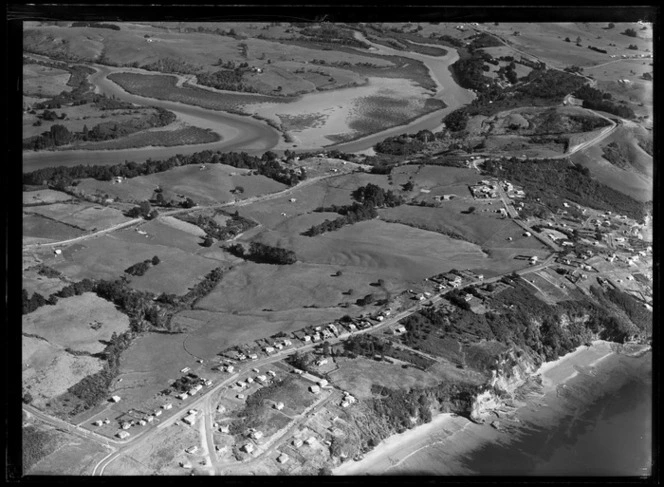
(513, 369)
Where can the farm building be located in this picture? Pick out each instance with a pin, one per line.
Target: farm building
(115, 398)
(315, 389)
(248, 447)
(322, 382)
(122, 434)
(279, 406)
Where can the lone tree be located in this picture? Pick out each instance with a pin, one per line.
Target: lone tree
(630, 33)
(155, 260)
(208, 241)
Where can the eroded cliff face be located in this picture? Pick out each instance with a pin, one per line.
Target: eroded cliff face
(512, 370)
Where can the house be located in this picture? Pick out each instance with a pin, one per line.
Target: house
(149, 419)
(321, 362)
(142, 422)
(253, 356)
(287, 343)
(190, 418)
(185, 370)
(352, 327)
(248, 447)
(322, 382)
(183, 396)
(261, 378)
(468, 297)
(292, 200)
(225, 429)
(345, 404)
(333, 329)
(126, 425)
(400, 329)
(115, 398)
(256, 435)
(297, 443)
(240, 396)
(310, 441)
(230, 368)
(99, 422)
(250, 380)
(283, 458)
(57, 251)
(306, 338)
(314, 389)
(527, 234)
(271, 373)
(269, 349)
(157, 413)
(279, 406)
(122, 434)
(240, 384)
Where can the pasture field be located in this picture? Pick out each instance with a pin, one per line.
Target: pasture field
(435, 177)
(547, 41)
(174, 275)
(34, 283)
(77, 457)
(357, 375)
(77, 323)
(44, 196)
(38, 226)
(210, 185)
(85, 216)
(148, 366)
(44, 81)
(328, 192)
(162, 455)
(107, 256)
(629, 182)
(249, 288)
(186, 227)
(411, 253)
(48, 371)
(50, 451)
(486, 229)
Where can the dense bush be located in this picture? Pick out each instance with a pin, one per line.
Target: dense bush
(553, 181)
(97, 25)
(63, 176)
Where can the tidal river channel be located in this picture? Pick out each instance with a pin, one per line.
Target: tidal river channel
(243, 133)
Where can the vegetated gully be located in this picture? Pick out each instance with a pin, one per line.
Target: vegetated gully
(243, 133)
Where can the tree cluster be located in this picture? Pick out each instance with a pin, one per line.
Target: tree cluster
(263, 254)
(598, 100)
(97, 25)
(141, 268)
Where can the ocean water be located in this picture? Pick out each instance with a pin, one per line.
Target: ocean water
(602, 426)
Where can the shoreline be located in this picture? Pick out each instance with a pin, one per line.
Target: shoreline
(460, 435)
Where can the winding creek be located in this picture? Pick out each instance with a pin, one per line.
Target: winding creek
(243, 133)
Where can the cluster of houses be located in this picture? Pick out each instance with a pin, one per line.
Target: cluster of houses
(486, 189)
(127, 424)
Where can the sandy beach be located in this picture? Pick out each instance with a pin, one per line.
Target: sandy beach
(454, 436)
